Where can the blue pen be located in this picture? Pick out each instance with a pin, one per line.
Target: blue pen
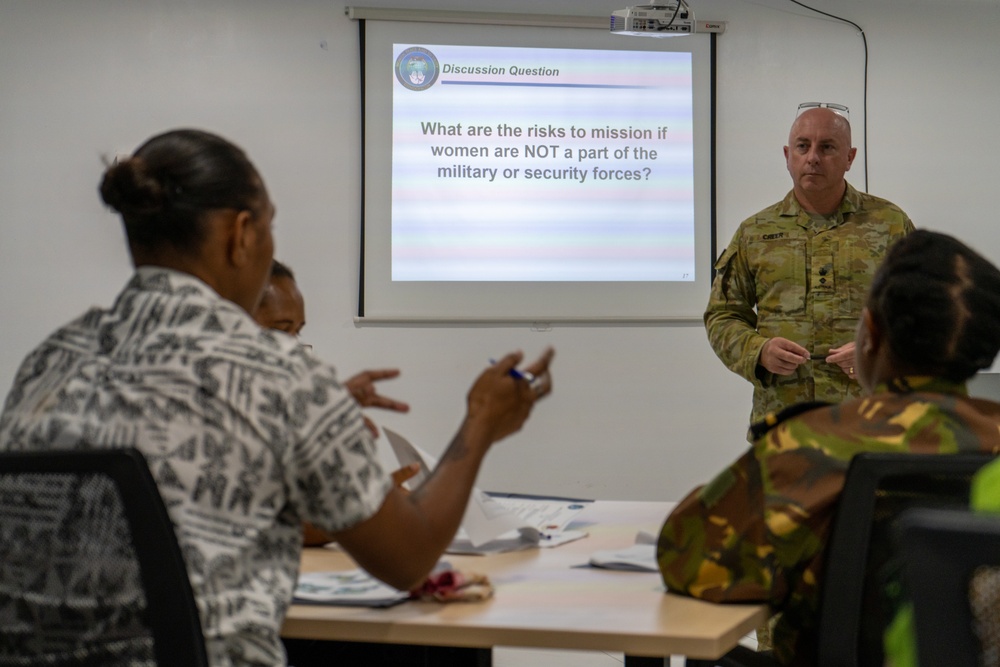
(518, 375)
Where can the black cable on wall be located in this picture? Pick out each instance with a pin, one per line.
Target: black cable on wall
(864, 96)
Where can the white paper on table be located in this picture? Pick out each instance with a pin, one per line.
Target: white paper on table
(514, 540)
(510, 522)
(355, 588)
(640, 557)
(548, 516)
(485, 519)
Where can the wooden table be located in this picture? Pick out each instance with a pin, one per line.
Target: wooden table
(545, 600)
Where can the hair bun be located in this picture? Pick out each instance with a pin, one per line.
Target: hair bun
(163, 190)
(130, 189)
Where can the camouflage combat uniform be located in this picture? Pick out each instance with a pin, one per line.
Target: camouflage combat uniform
(756, 532)
(792, 275)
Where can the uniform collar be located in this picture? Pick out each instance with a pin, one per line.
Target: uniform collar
(851, 203)
(922, 383)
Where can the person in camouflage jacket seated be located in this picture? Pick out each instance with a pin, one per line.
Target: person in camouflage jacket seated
(757, 532)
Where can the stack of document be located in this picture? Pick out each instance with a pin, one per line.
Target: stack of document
(493, 523)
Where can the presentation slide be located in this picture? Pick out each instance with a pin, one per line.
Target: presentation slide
(542, 164)
(534, 173)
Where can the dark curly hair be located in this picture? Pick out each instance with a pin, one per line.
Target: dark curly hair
(163, 189)
(939, 303)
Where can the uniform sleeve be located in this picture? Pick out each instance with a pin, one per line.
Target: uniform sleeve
(893, 219)
(731, 318)
(901, 225)
(753, 532)
(757, 532)
(714, 545)
(333, 473)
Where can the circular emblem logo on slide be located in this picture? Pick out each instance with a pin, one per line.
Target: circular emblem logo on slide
(417, 68)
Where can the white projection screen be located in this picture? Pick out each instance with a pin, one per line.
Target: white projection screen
(534, 173)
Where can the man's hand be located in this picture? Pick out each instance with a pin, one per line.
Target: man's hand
(501, 403)
(362, 388)
(843, 356)
(403, 540)
(781, 356)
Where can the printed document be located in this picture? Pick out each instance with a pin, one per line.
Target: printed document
(495, 524)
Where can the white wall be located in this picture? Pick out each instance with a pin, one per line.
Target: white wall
(639, 412)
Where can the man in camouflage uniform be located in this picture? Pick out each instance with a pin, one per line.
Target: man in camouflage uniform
(791, 284)
(757, 532)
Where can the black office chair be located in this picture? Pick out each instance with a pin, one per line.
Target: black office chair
(859, 565)
(88, 533)
(951, 569)
(860, 568)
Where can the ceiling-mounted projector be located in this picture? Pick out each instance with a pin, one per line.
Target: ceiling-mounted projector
(666, 20)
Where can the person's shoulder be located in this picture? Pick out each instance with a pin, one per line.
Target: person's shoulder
(769, 224)
(775, 419)
(77, 335)
(873, 203)
(770, 212)
(986, 406)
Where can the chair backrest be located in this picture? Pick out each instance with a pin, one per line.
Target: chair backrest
(950, 567)
(859, 565)
(86, 533)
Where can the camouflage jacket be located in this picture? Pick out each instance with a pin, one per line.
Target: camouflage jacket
(787, 274)
(756, 532)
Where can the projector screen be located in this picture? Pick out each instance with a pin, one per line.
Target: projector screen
(536, 173)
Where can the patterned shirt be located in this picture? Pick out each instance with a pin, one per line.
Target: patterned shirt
(805, 278)
(246, 433)
(756, 533)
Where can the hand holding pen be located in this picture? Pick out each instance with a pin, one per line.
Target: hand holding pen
(539, 379)
(782, 356)
(502, 397)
